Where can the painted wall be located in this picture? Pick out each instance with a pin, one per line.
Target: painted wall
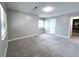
(3, 43)
(63, 24)
(21, 24)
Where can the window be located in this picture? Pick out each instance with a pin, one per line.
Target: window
(41, 24)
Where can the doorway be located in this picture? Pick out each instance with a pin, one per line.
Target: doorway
(75, 27)
(74, 33)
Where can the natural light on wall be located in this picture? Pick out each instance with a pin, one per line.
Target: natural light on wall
(3, 22)
(41, 24)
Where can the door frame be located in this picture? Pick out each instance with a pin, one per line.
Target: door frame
(71, 25)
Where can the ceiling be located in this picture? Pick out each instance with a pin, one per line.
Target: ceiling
(60, 8)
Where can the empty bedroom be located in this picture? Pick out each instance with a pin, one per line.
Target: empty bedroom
(39, 29)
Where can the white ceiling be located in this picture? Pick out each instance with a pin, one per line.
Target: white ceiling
(60, 7)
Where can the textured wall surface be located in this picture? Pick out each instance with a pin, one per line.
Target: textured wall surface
(21, 24)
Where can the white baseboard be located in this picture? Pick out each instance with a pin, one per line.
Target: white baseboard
(22, 37)
(4, 36)
(6, 49)
(6, 45)
(59, 35)
(62, 36)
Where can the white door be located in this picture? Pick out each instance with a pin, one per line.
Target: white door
(50, 25)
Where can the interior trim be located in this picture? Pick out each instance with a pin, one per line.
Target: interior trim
(6, 49)
(21, 12)
(62, 36)
(59, 35)
(22, 37)
(4, 36)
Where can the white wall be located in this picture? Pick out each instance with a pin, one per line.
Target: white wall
(63, 24)
(3, 43)
(21, 24)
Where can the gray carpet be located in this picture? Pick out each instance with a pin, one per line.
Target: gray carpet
(43, 45)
